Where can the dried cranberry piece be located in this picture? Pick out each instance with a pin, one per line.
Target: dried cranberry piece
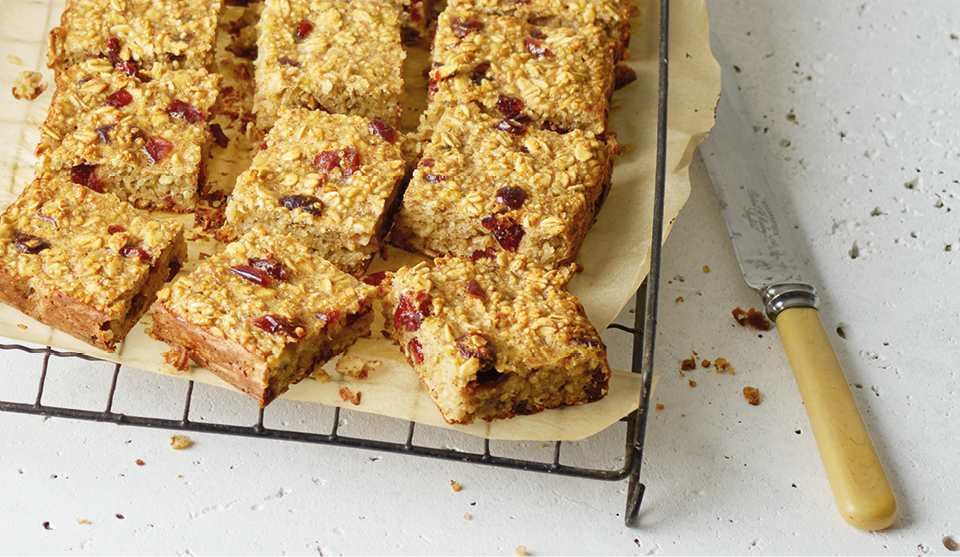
(218, 136)
(375, 279)
(137, 133)
(184, 110)
(384, 130)
(427, 163)
(30, 244)
(128, 251)
(263, 146)
(411, 311)
(490, 378)
(479, 73)
(306, 203)
(550, 126)
(511, 127)
(589, 342)
(327, 161)
(536, 49)
(474, 289)
(103, 132)
(274, 324)
(131, 69)
(86, 175)
(512, 108)
(475, 345)
(254, 275)
(328, 315)
(509, 237)
(538, 34)
(415, 350)
(303, 29)
(270, 266)
(113, 50)
(288, 62)
(119, 99)
(511, 197)
(488, 253)
(157, 147)
(115, 229)
(434, 178)
(171, 57)
(349, 161)
(432, 87)
(490, 222)
(463, 26)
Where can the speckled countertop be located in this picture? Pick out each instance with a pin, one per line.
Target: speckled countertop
(857, 106)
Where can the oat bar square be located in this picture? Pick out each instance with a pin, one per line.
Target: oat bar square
(136, 34)
(328, 180)
(143, 139)
(263, 314)
(562, 77)
(495, 338)
(480, 189)
(341, 57)
(82, 262)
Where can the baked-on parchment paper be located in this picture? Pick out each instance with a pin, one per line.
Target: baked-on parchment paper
(614, 256)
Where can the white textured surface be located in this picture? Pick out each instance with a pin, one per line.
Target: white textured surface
(870, 158)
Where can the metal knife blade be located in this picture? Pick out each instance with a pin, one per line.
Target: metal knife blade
(761, 236)
(765, 251)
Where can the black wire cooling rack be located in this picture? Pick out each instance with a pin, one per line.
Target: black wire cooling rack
(643, 332)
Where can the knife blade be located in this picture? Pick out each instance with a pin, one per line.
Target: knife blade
(765, 250)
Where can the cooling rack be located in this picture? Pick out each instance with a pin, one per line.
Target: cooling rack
(643, 333)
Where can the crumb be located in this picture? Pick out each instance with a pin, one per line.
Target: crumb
(46, 526)
(180, 442)
(689, 364)
(455, 485)
(349, 396)
(706, 269)
(83, 521)
(752, 394)
(178, 358)
(466, 516)
(705, 363)
(119, 516)
(208, 219)
(22, 326)
(320, 375)
(659, 407)
(752, 318)
(203, 255)
(723, 365)
(679, 299)
(683, 415)
(140, 462)
(355, 367)
(15, 60)
(693, 383)
(28, 85)
(522, 551)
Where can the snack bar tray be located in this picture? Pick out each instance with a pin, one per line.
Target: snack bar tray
(643, 333)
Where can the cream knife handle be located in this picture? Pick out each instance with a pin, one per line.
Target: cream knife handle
(859, 484)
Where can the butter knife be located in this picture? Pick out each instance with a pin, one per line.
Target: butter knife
(765, 251)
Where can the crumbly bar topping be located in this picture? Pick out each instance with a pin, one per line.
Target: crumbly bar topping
(92, 247)
(331, 172)
(501, 312)
(533, 193)
(176, 33)
(266, 291)
(563, 77)
(339, 56)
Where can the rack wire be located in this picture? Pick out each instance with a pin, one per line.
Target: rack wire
(643, 332)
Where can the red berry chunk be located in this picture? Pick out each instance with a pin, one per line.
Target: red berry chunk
(375, 279)
(288, 62)
(464, 26)
(475, 345)
(86, 175)
(113, 50)
(274, 324)
(103, 132)
(329, 316)
(509, 237)
(534, 47)
(327, 161)
(510, 126)
(384, 130)
(129, 251)
(30, 244)
(254, 275)
(474, 289)
(488, 253)
(349, 161)
(490, 222)
(306, 203)
(115, 229)
(427, 163)
(186, 111)
(411, 311)
(538, 34)
(434, 178)
(157, 147)
(512, 108)
(119, 99)
(270, 266)
(511, 197)
(218, 136)
(479, 73)
(303, 29)
(415, 350)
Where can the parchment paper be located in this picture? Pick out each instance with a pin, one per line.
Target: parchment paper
(614, 256)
